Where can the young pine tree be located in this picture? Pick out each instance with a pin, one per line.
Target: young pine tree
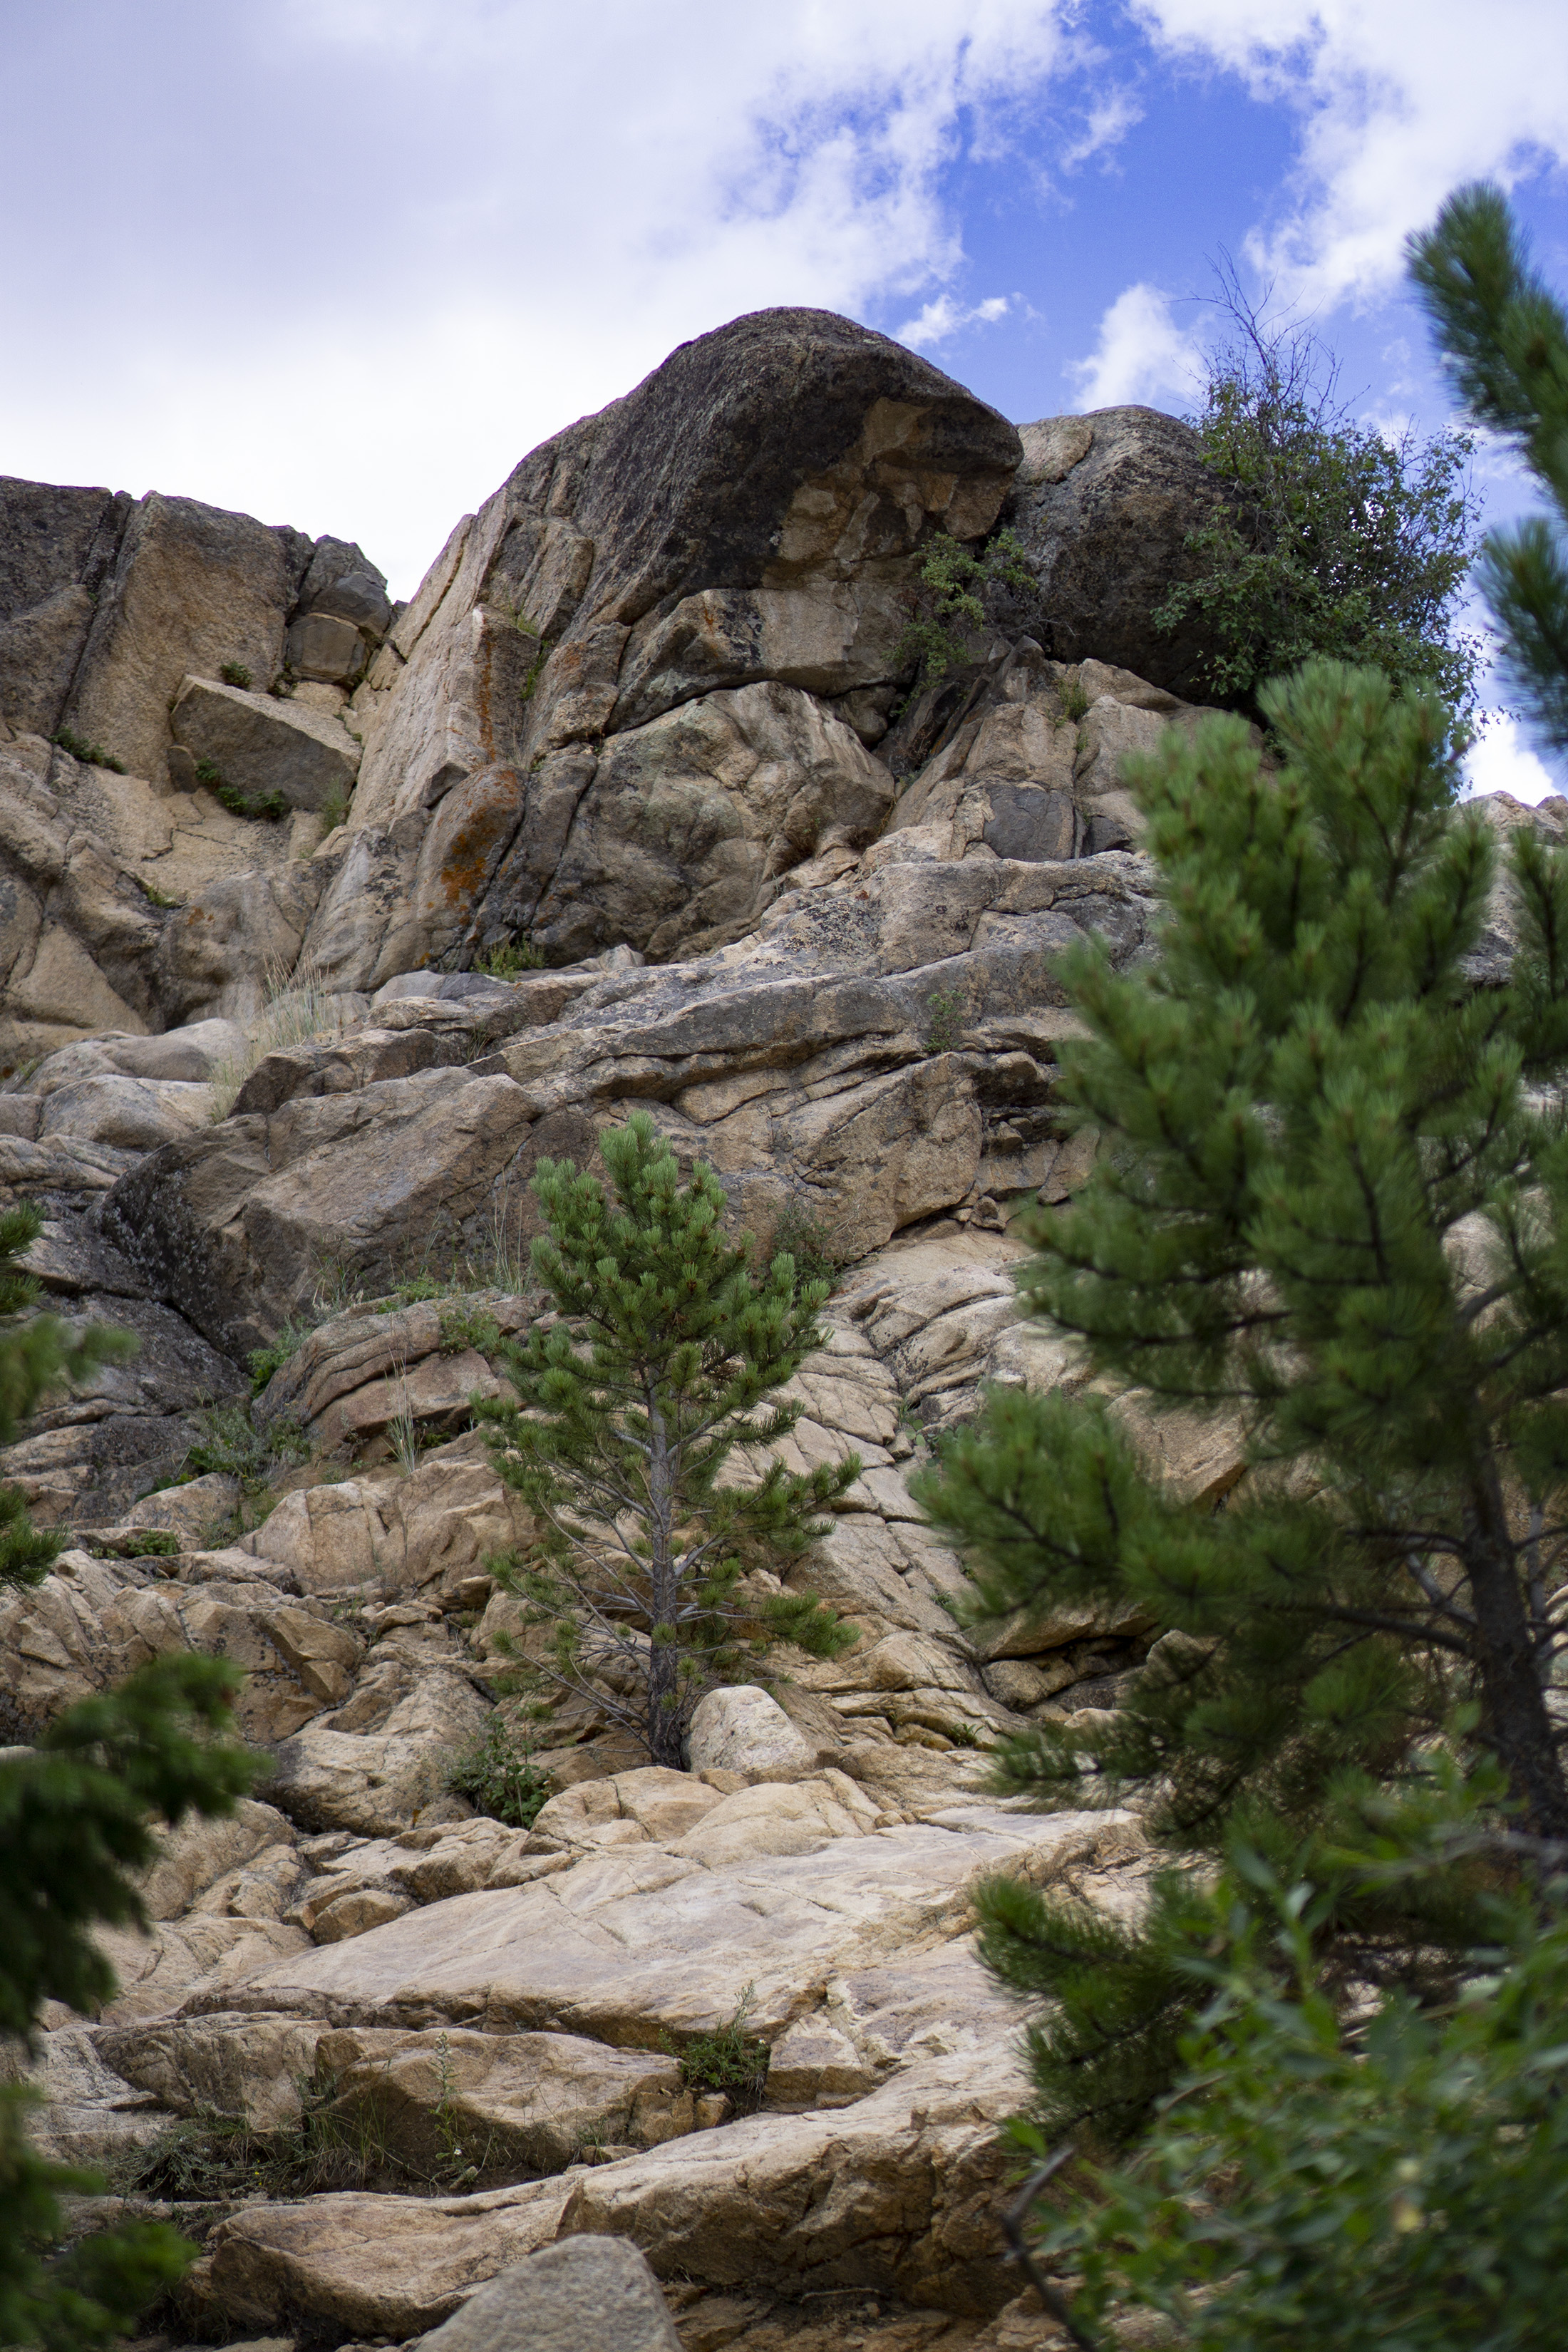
(667, 1349)
(1331, 1201)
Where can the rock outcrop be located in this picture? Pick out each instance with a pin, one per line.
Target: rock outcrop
(643, 745)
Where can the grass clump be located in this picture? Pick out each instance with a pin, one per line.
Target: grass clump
(234, 673)
(1072, 697)
(296, 1012)
(263, 1362)
(509, 957)
(467, 1322)
(333, 810)
(93, 754)
(731, 2061)
(159, 898)
(150, 1543)
(944, 1005)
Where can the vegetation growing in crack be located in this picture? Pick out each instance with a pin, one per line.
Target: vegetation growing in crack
(948, 603)
(93, 755)
(498, 1774)
(732, 2061)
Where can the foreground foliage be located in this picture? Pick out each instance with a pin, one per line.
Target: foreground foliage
(645, 1579)
(77, 1817)
(1398, 2178)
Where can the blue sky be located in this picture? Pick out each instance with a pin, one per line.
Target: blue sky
(342, 262)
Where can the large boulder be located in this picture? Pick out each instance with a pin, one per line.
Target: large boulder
(750, 513)
(1103, 504)
(262, 746)
(581, 2296)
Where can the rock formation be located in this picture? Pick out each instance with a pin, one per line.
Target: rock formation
(630, 806)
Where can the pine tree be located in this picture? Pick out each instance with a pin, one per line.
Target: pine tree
(630, 1407)
(1332, 1202)
(1504, 336)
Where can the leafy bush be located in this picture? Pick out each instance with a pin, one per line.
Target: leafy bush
(234, 673)
(499, 1776)
(263, 1362)
(333, 810)
(951, 578)
(1337, 541)
(944, 1007)
(230, 1442)
(817, 1255)
(1399, 2178)
(150, 1543)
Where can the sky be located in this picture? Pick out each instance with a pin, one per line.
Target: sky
(341, 263)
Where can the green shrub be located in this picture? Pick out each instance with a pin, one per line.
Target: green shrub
(1072, 697)
(499, 1776)
(93, 754)
(1337, 541)
(1398, 2178)
(333, 810)
(468, 1323)
(234, 673)
(948, 599)
(509, 957)
(731, 2061)
(266, 807)
(263, 1362)
(150, 1543)
(944, 1007)
(230, 1442)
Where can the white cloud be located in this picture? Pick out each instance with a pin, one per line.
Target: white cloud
(943, 317)
(398, 242)
(1502, 761)
(1108, 125)
(1399, 100)
(1141, 351)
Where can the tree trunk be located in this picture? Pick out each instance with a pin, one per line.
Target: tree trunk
(1515, 1723)
(666, 1731)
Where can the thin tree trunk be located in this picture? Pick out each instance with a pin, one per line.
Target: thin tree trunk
(1515, 1724)
(665, 1732)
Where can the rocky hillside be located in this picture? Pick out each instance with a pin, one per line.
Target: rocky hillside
(323, 922)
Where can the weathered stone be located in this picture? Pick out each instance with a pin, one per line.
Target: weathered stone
(56, 546)
(517, 2104)
(320, 645)
(227, 2064)
(585, 2295)
(742, 1730)
(193, 587)
(261, 745)
(380, 1780)
(1102, 505)
(628, 1943)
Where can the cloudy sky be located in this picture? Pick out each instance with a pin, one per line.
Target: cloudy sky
(342, 262)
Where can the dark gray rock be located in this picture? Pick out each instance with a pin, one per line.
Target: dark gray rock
(55, 545)
(581, 2294)
(359, 596)
(1103, 504)
(333, 559)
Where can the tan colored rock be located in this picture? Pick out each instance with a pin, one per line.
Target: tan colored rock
(193, 587)
(634, 1941)
(383, 1780)
(87, 2113)
(136, 1114)
(260, 745)
(778, 1818)
(898, 2193)
(584, 2290)
(516, 2103)
(429, 1532)
(226, 2064)
(742, 1730)
(384, 2266)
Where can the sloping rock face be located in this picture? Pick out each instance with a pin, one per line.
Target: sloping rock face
(643, 721)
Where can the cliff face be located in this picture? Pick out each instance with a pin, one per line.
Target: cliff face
(641, 728)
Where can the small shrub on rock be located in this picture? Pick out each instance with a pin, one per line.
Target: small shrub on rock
(499, 1776)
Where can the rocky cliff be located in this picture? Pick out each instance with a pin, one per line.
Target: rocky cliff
(324, 921)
